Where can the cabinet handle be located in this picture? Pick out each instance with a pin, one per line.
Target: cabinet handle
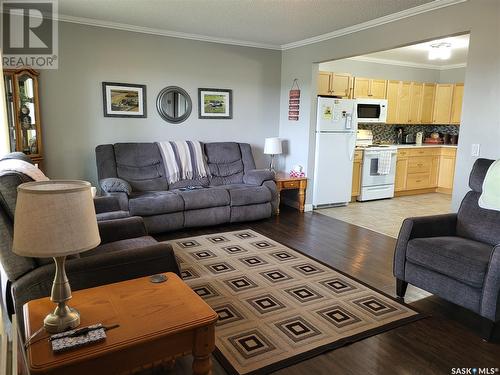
(420, 165)
(418, 180)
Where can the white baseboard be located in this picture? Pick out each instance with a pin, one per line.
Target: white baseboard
(308, 207)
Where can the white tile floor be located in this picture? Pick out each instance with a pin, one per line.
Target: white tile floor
(386, 216)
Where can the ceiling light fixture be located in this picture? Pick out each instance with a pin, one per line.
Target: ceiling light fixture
(441, 51)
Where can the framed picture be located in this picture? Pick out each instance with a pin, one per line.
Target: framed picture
(124, 100)
(215, 103)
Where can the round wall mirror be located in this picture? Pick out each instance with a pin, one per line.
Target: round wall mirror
(174, 104)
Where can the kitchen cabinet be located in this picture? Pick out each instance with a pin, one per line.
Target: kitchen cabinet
(356, 174)
(369, 88)
(404, 102)
(456, 103)
(416, 97)
(427, 108)
(323, 83)
(447, 170)
(378, 88)
(442, 103)
(401, 171)
(392, 101)
(424, 169)
(408, 102)
(334, 84)
(398, 102)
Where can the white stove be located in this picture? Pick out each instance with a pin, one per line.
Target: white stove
(378, 169)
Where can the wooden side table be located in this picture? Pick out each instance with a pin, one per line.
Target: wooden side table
(158, 322)
(285, 182)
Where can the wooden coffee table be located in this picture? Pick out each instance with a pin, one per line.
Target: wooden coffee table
(158, 322)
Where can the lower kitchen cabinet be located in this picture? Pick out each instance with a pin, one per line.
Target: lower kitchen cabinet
(356, 174)
(401, 173)
(447, 170)
(425, 169)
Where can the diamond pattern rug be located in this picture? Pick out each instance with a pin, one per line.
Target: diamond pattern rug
(277, 306)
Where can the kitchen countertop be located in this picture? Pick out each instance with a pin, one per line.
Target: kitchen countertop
(413, 146)
(424, 145)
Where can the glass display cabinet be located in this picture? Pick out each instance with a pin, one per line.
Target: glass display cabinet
(23, 112)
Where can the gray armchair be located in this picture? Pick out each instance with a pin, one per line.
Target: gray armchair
(455, 256)
(126, 252)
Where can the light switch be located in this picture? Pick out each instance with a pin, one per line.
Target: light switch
(475, 150)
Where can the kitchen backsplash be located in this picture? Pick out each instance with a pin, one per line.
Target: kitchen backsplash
(385, 133)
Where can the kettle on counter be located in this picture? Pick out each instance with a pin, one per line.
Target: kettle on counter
(409, 138)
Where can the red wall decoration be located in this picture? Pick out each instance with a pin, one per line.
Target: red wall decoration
(294, 101)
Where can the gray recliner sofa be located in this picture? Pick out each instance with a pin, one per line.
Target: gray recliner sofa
(234, 192)
(455, 256)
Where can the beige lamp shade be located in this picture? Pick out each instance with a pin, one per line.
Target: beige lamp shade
(272, 146)
(54, 218)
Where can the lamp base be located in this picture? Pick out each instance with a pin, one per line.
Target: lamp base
(62, 319)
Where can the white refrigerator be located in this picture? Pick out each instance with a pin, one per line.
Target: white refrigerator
(336, 128)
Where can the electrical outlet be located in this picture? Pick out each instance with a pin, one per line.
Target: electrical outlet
(475, 150)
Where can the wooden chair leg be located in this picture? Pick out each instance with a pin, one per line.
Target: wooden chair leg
(401, 286)
(487, 329)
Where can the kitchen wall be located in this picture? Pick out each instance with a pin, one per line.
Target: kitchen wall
(452, 75)
(480, 115)
(383, 71)
(71, 98)
(386, 133)
(371, 69)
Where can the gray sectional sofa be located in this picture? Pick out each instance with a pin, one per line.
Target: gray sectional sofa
(234, 192)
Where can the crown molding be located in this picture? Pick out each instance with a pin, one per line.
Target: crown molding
(424, 8)
(162, 32)
(409, 64)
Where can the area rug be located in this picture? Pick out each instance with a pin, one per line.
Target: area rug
(277, 306)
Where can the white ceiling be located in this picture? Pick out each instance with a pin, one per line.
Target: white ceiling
(263, 23)
(417, 54)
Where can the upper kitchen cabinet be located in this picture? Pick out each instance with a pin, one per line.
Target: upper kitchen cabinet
(416, 96)
(398, 102)
(324, 83)
(23, 112)
(392, 101)
(456, 103)
(334, 84)
(442, 103)
(404, 103)
(369, 88)
(427, 108)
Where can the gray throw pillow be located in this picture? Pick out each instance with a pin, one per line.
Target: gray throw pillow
(115, 185)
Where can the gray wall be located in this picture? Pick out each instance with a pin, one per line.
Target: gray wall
(452, 75)
(71, 98)
(480, 114)
(387, 71)
(383, 71)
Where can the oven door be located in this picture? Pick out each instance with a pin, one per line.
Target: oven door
(370, 176)
(369, 112)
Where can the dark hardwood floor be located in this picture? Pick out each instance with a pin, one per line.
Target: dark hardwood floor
(448, 338)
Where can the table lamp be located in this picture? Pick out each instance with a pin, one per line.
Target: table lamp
(56, 219)
(272, 146)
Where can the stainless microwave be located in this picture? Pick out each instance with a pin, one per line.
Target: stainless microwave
(371, 110)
